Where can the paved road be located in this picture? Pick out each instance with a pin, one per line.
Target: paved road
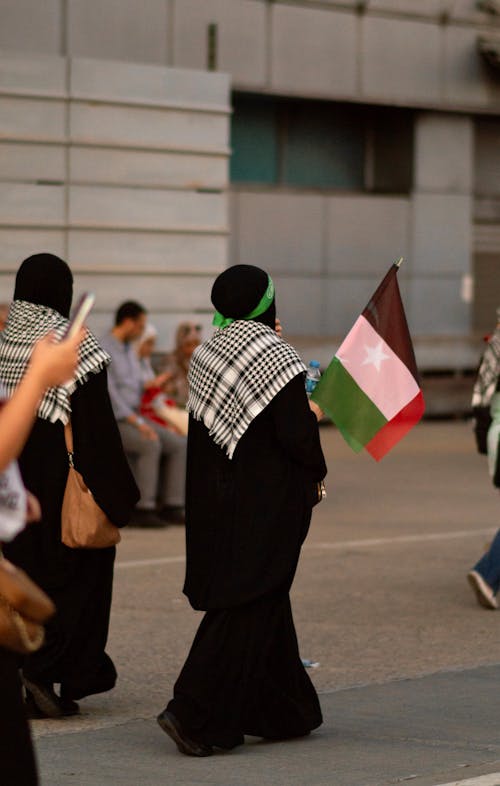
(409, 664)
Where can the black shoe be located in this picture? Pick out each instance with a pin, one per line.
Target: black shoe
(33, 712)
(147, 518)
(173, 728)
(46, 701)
(69, 707)
(172, 514)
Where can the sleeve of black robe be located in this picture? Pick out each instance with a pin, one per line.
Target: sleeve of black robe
(297, 428)
(98, 449)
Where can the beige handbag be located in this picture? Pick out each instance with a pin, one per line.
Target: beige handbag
(83, 524)
(24, 607)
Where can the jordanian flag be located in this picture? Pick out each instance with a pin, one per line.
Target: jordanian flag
(371, 388)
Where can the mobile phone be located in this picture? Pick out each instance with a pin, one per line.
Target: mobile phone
(81, 313)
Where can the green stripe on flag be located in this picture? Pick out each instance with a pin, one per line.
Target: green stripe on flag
(356, 416)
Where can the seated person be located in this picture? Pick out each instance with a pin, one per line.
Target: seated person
(155, 403)
(187, 338)
(161, 482)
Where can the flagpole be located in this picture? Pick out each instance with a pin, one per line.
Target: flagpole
(399, 261)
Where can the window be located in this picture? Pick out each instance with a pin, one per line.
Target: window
(319, 144)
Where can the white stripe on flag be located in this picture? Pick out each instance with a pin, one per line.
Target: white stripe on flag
(378, 371)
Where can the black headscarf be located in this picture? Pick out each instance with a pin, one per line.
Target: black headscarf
(45, 280)
(238, 290)
(41, 305)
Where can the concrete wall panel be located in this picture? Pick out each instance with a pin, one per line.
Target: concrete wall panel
(118, 29)
(299, 302)
(421, 7)
(160, 128)
(444, 153)
(31, 25)
(401, 59)
(366, 233)
(133, 182)
(145, 84)
(442, 234)
(467, 79)
(146, 209)
(157, 292)
(34, 74)
(32, 162)
(435, 307)
(24, 118)
(157, 252)
(282, 232)
(345, 300)
(345, 3)
(241, 37)
(17, 244)
(313, 51)
(31, 204)
(467, 10)
(125, 167)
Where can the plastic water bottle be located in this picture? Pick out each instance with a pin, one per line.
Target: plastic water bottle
(313, 376)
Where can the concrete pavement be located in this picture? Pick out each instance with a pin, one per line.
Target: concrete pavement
(429, 730)
(409, 665)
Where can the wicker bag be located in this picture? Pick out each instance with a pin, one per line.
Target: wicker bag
(24, 607)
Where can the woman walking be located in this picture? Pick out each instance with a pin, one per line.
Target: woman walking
(484, 578)
(79, 581)
(254, 461)
(50, 364)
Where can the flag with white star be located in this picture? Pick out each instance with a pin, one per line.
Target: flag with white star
(371, 389)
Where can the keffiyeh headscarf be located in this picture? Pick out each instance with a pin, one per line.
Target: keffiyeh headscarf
(489, 372)
(42, 300)
(238, 372)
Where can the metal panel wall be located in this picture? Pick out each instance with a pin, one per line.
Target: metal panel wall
(416, 52)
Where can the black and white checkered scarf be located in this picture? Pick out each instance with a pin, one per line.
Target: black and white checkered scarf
(28, 322)
(489, 372)
(235, 375)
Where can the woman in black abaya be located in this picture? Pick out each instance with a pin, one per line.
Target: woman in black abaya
(254, 459)
(78, 580)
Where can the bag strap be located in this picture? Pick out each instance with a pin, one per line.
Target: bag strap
(68, 438)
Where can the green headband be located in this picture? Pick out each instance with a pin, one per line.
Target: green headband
(267, 298)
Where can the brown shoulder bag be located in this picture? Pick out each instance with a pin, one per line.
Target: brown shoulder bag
(83, 524)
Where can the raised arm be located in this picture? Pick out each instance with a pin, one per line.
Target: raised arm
(51, 364)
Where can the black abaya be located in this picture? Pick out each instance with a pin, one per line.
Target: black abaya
(244, 675)
(246, 520)
(17, 760)
(78, 580)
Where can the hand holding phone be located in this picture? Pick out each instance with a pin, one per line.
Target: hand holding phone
(82, 311)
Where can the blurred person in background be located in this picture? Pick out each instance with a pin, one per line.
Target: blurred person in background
(159, 455)
(156, 405)
(187, 338)
(50, 364)
(4, 313)
(484, 578)
(79, 581)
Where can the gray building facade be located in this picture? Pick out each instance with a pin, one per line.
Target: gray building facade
(360, 132)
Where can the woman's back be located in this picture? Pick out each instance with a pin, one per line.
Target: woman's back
(247, 517)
